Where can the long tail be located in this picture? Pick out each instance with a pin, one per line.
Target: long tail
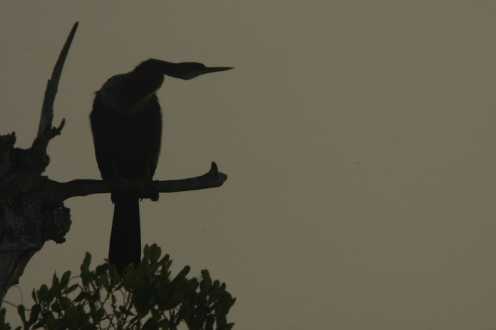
(125, 239)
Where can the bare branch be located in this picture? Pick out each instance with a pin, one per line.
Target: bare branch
(45, 129)
(56, 192)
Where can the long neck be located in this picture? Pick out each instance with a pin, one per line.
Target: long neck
(170, 69)
(154, 65)
(141, 84)
(128, 93)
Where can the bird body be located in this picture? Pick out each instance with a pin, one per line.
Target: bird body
(126, 123)
(127, 144)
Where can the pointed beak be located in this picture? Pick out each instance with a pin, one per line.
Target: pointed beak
(216, 69)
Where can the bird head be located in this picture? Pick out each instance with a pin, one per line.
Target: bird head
(182, 70)
(190, 70)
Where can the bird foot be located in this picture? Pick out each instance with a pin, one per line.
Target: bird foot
(144, 189)
(149, 192)
(119, 186)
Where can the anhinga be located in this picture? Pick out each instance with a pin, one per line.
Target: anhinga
(126, 123)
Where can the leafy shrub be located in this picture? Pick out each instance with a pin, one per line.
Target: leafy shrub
(144, 297)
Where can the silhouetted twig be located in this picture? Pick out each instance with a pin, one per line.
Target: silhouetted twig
(46, 131)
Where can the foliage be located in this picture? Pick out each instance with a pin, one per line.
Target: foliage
(144, 297)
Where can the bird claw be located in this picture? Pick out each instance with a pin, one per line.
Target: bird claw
(119, 184)
(144, 189)
(149, 191)
(154, 195)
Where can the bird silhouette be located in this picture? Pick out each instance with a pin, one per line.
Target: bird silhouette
(126, 123)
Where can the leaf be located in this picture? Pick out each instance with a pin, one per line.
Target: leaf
(55, 284)
(64, 281)
(85, 266)
(165, 324)
(100, 270)
(146, 251)
(181, 275)
(35, 312)
(125, 311)
(21, 310)
(3, 311)
(86, 275)
(151, 324)
(56, 307)
(209, 325)
(65, 303)
(206, 282)
(43, 294)
(155, 253)
(35, 297)
(71, 288)
(82, 295)
(115, 276)
(142, 302)
(100, 313)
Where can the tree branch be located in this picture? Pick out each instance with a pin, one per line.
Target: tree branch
(46, 131)
(56, 192)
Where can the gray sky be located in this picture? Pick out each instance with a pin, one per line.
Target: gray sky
(357, 136)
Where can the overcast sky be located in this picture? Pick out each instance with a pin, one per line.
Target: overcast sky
(358, 137)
